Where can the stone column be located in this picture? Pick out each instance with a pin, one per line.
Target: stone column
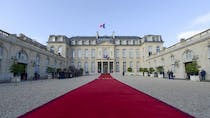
(108, 70)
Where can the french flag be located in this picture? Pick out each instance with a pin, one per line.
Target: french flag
(102, 26)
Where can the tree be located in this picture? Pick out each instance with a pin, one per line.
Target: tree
(17, 69)
(151, 70)
(160, 69)
(192, 68)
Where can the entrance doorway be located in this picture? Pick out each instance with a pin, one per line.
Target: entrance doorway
(185, 65)
(23, 74)
(105, 67)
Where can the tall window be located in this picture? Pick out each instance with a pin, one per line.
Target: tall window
(149, 50)
(86, 66)
(124, 53)
(117, 53)
(105, 53)
(131, 53)
(208, 51)
(131, 64)
(157, 49)
(79, 53)
(79, 65)
(73, 54)
(117, 67)
(137, 66)
(52, 49)
(93, 53)
(172, 59)
(60, 50)
(137, 53)
(189, 55)
(47, 61)
(93, 67)
(86, 53)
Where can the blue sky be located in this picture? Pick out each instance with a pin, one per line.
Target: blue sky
(40, 18)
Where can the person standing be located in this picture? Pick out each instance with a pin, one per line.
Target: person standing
(203, 74)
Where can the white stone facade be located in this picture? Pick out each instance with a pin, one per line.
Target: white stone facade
(23, 50)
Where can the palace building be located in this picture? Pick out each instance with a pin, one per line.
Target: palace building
(103, 54)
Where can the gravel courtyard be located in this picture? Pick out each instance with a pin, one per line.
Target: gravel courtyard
(190, 97)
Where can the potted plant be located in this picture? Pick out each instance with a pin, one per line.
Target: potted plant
(130, 71)
(16, 69)
(160, 71)
(50, 72)
(193, 71)
(151, 70)
(141, 70)
(145, 71)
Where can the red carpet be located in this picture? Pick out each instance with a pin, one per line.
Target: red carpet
(105, 98)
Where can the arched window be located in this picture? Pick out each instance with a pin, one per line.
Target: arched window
(22, 56)
(105, 53)
(188, 55)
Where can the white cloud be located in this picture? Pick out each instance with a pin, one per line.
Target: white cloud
(201, 20)
(187, 34)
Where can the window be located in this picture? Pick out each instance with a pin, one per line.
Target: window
(117, 42)
(79, 42)
(86, 66)
(52, 49)
(117, 53)
(73, 54)
(124, 53)
(131, 64)
(79, 65)
(37, 60)
(137, 66)
(93, 53)
(1, 52)
(47, 61)
(149, 50)
(86, 53)
(137, 53)
(73, 42)
(117, 67)
(60, 50)
(92, 67)
(188, 55)
(52, 39)
(60, 39)
(158, 49)
(79, 53)
(105, 53)
(21, 56)
(208, 51)
(131, 53)
(172, 58)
